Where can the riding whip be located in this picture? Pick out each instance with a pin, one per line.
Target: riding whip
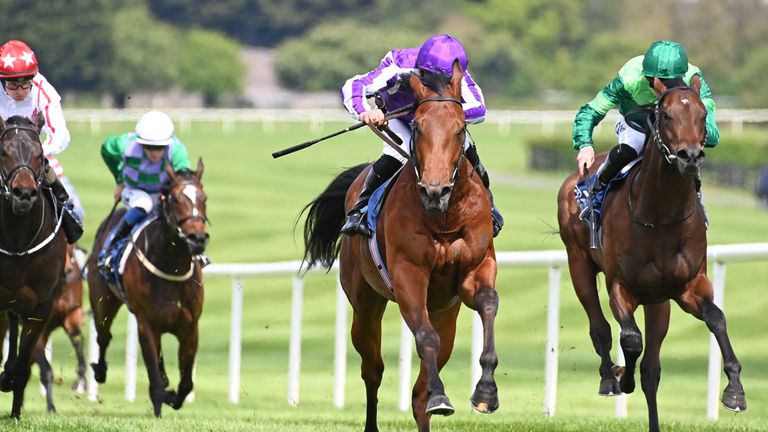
(391, 115)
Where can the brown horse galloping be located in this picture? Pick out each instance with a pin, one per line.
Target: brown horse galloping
(68, 314)
(163, 286)
(435, 237)
(32, 247)
(654, 250)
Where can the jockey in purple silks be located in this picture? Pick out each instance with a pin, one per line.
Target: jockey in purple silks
(435, 56)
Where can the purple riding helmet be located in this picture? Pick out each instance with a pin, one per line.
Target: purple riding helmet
(438, 53)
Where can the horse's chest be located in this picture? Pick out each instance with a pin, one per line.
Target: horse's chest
(660, 277)
(454, 254)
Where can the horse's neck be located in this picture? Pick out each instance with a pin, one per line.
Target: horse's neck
(661, 191)
(162, 245)
(20, 232)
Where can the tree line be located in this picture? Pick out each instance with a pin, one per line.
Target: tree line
(523, 52)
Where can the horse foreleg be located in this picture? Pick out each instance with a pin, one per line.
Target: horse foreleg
(13, 340)
(187, 350)
(104, 315)
(583, 274)
(623, 306)
(73, 327)
(699, 303)
(485, 300)
(656, 326)
(148, 339)
(30, 333)
(366, 338)
(46, 372)
(445, 326)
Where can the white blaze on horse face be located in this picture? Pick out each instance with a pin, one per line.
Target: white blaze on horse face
(684, 101)
(191, 193)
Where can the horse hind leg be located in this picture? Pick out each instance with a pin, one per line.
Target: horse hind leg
(46, 373)
(73, 327)
(624, 306)
(366, 338)
(583, 276)
(656, 326)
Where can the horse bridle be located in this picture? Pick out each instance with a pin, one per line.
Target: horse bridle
(415, 130)
(170, 215)
(5, 178)
(655, 128)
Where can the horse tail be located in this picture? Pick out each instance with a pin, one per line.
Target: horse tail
(325, 217)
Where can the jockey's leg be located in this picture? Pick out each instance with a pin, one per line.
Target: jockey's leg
(71, 222)
(617, 159)
(474, 159)
(118, 232)
(381, 170)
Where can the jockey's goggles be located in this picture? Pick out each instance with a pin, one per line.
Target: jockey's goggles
(15, 85)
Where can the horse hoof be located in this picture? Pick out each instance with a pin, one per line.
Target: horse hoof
(487, 405)
(439, 405)
(609, 386)
(734, 401)
(80, 387)
(6, 384)
(99, 372)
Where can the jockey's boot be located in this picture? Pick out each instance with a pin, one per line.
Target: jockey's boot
(474, 159)
(617, 159)
(356, 220)
(71, 222)
(122, 229)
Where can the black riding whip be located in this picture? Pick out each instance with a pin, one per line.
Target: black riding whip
(391, 115)
(592, 227)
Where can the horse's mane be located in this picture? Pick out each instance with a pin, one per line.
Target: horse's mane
(186, 174)
(19, 120)
(669, 82)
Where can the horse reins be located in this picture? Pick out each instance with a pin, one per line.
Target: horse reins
(414, 127)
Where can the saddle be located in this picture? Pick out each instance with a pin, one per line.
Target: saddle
(583, 194)
(119, 252)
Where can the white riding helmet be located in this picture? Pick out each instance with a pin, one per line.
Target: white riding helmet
(154, 128)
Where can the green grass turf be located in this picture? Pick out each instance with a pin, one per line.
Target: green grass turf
(253, 203)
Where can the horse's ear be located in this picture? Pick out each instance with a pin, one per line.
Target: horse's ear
(419, 89)
(696, 83)
(39, 121)
(457, 76)
(200, 167)
(169, 171)
(658, 86)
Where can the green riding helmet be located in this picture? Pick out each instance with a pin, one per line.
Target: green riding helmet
(665, 59)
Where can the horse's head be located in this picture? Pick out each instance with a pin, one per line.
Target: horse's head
(438, 135)
(679, 128)
(183, 207)
(21, 162)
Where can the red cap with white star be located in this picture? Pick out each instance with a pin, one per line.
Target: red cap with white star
(17, 60)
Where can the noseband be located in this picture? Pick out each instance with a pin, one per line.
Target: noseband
(654, 126)
(415, 130)
(5, 178)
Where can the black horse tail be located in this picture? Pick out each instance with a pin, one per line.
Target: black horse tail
(325, 217)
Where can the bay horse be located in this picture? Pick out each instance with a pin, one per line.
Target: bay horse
(435, 237)
(654, 249)
(163, 284)
(68, 314)
(32, 247)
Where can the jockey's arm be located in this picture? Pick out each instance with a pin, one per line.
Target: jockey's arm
(112, 150)
(57, 134)
(593, 112)
(180, 156)
(356, 90)
(713, 133)
(473, 101)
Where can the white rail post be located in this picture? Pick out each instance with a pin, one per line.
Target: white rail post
(235, 340)
(406, 356)
(340, 353)
(131, 356)
(713, 388)
(477, 350)
(621, 400)
(294, 354)
(552, 347)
